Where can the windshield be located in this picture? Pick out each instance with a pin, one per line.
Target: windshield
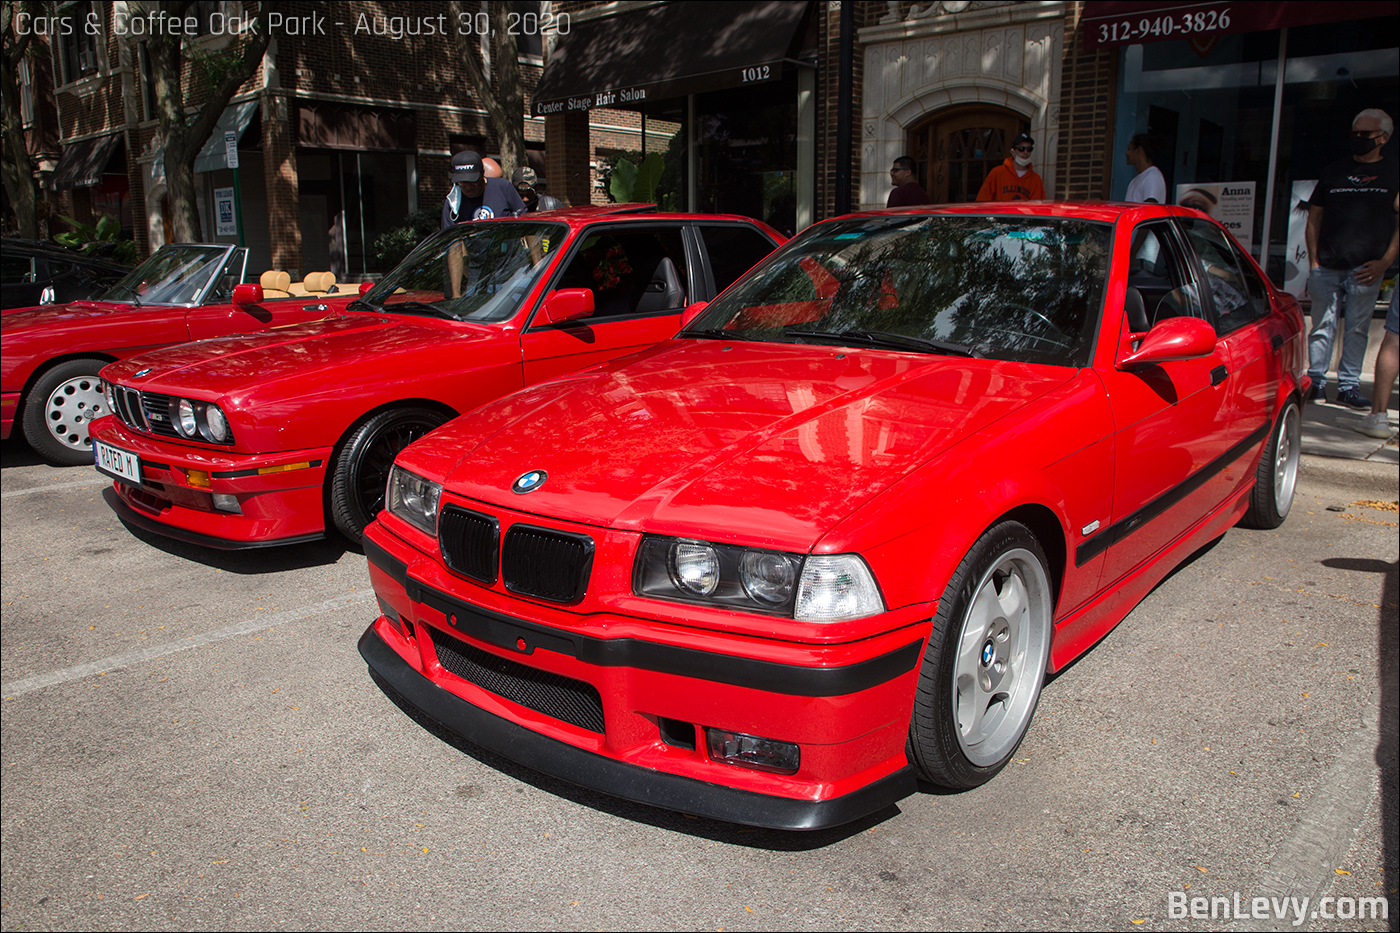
(1011, 288)
(478, 271)
(175, 275)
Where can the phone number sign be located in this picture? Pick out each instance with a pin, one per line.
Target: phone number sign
(1108, 23)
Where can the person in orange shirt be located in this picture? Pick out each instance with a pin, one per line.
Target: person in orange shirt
(1014, 179)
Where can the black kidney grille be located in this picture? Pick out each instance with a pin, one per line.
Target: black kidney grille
(470, 543)
(547, 564)
(562, 698)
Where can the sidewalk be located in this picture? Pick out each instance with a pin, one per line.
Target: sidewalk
(1327, 427)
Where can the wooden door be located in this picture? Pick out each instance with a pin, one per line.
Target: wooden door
(956, 148)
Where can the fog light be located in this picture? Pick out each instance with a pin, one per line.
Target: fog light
(198, 478)
(227, 502)
(753, 751)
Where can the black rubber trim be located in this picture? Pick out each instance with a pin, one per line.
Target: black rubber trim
(234, 474)
(503, 631)
(615, 778)
(1121, 529)
(132, 517)
(386, 561)
(1218, 375)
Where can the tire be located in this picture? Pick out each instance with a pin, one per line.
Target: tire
(1277, 476)
(362, 467)
(58, 408)
(985, 661)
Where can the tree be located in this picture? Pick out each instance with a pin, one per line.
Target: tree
(184, 134)
(506, 109)
(16, 168)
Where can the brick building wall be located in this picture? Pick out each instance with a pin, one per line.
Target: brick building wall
(1089, 81)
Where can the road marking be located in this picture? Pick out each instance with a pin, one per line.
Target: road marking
(56, 486)
(129, 658)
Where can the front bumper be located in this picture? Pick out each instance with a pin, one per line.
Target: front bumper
(279, 495)
(657, 689)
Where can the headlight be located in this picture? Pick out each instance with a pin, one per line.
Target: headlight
(198, 421)
(217, 424)
(184, 419)
(414, 499)
(813, 589)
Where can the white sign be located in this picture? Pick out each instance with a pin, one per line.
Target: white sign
(231, 148)
(225, 218)
(1230, 202)
(1295, 265)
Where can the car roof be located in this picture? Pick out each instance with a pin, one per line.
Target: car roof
(1104, 211)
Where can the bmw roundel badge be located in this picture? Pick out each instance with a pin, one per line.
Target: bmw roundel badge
(140, 373)
(528, 482)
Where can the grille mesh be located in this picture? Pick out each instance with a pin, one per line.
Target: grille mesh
(547, 564)
(470, 543)
(562, 698)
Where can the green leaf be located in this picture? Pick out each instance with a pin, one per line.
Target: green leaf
(624, 180)
(648, 177)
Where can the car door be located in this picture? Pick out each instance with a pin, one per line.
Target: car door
(1250, 334)
(1171, 421)
(641, 280)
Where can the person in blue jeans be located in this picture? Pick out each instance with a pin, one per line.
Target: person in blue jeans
(1387, 367)
(1352, 239)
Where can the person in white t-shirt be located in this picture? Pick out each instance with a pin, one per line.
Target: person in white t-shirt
(1148, 185)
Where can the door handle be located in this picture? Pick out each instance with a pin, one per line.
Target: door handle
(1218, 374)
(315, 307)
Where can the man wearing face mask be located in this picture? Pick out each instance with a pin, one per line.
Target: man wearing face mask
(1014, 179)
(1352, 239)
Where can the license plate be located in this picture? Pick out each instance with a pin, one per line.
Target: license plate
(118, 463)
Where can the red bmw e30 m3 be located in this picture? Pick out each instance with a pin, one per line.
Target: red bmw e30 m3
(834, 534)
(278, 437)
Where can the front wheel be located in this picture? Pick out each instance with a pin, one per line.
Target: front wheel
(362, 467)
(1277, 476)
(58, 409)
(985, 661)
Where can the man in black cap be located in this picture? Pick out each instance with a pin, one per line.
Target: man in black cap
(1014, 179)
(525, 181)
(476, 197)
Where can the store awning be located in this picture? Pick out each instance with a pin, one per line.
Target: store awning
(83, 162)
(235, 118)
(667, 51)
(323, 125)
(1129, 22)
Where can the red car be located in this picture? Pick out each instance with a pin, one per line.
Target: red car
(52, 354)
(832, 536)
(274, 438)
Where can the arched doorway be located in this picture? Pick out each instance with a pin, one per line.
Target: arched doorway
(957, 147)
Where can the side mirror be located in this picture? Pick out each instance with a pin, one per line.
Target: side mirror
(249, 293)
(1176, 338)
(567, 304)
(365, 286)
(692, 311)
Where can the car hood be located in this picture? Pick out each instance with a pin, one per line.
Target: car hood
(238, 365)
(763, 444)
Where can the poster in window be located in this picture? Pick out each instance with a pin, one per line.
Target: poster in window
(225, 220)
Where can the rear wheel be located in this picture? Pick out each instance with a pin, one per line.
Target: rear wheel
(362, 468)
(58, 409)
(985, 660)
(1277, 476)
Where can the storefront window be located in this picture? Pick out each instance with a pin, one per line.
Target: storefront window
(747, 153)
(1209, 107)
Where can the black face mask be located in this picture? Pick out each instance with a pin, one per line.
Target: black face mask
(1361, 145)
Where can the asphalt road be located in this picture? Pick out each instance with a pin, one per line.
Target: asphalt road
(190, 740)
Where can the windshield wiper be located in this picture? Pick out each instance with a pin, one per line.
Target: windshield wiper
(417, 307)
(881, 338)
(135, 295)
(715, 333)
(359, 304)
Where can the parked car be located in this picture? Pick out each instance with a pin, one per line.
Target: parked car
(34, 273)
(276, 438)
(52, 355)
(862, 503)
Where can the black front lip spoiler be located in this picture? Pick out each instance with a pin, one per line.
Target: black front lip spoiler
(132, 517)
(618, 779)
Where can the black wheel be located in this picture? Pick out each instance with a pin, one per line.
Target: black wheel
(362, 468)
(1277, 476)
(985, 661)
(58, 409)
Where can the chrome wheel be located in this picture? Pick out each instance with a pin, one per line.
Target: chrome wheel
(1286, 446)
(1001, 657)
